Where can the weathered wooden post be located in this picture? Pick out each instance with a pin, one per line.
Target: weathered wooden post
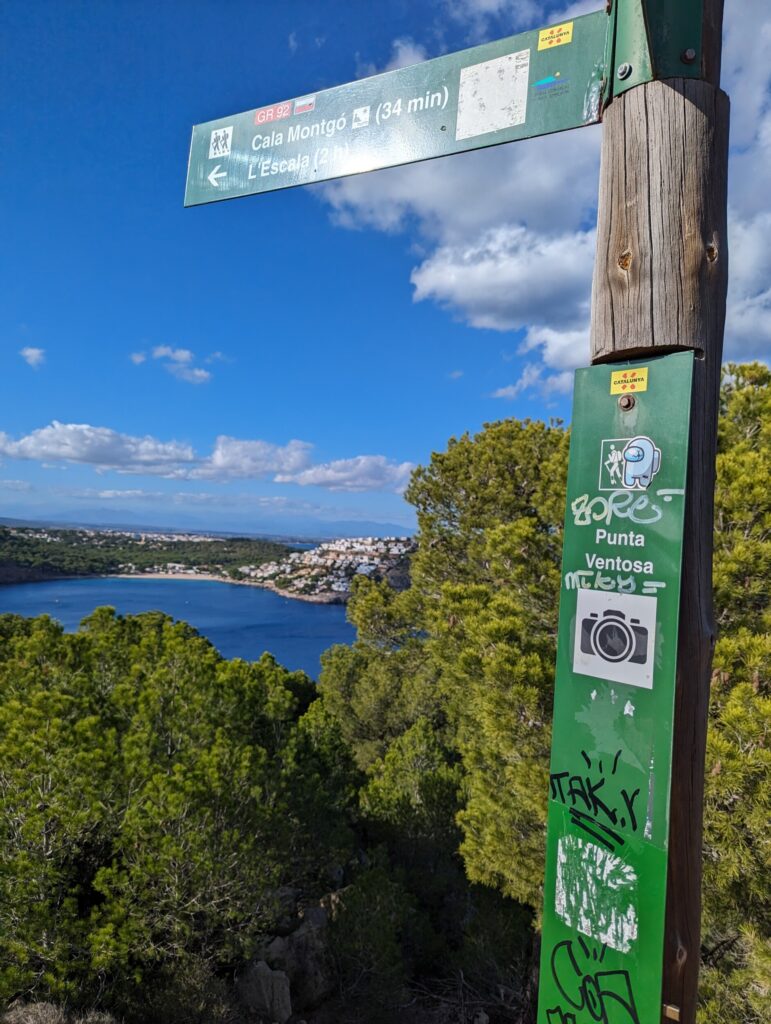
(660, 285)
(636, 634)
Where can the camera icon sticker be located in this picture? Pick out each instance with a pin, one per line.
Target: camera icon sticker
(614, 637)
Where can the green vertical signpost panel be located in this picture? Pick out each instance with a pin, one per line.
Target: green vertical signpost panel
(608, 819)
(538, 82)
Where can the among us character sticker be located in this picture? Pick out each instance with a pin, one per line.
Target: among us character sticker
(628, 464)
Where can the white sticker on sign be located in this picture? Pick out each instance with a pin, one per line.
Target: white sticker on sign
(596, 893)
(360, 117)
(493, 95)
(615, 637)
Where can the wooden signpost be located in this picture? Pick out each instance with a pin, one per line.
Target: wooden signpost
(622, 895)
(660, 284)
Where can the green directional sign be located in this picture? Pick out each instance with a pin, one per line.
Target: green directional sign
(539, 82)
(608, 819)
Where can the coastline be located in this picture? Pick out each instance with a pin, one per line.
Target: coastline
(211, 578)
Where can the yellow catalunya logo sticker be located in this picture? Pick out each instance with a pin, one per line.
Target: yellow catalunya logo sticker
(623, 381)
(557, 35)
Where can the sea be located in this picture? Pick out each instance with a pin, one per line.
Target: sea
(241, 621)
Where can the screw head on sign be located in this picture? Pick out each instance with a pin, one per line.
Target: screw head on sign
(626, 402)
(624, 71)
(688, 56)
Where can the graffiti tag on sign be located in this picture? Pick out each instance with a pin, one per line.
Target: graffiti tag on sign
(590, 994)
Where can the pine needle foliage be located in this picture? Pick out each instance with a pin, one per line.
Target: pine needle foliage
(470, 651)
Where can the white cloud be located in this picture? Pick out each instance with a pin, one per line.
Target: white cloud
(292, 42)
(176, 355)
(748, 194)
(137, 358)
(747, 79)
(33, 357)
(517, 15)
(748, 321)
(530, 376)
(477, 14)
(506, 234)
(404, 52)
(363, 473)
(60, 444)
(110, 495)
(191, 374)
(233, 459)
(510, 278)
(549, 184)
(455, 374)
(558, 383)
(21, 486)
(246, 509)
(179, 363)
(559, 348)
(746, 72)
(533, 378)
(99, 447)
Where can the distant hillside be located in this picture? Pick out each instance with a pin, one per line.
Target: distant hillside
(280, 530)
(31, 554)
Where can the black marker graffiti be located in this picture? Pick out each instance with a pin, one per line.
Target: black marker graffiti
(593, 996)
(596, 814)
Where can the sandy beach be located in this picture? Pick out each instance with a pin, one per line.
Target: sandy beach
(310, 598)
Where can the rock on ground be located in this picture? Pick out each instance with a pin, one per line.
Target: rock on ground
(265, 991)
(304, 956)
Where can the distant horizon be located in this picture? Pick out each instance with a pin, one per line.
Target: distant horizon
(284, 363)
(332, 532)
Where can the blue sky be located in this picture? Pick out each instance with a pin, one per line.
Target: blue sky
(280, 363)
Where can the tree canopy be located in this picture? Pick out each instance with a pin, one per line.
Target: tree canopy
(156, 799)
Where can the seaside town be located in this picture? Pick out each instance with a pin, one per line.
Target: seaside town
(325, 573)
(94, 537)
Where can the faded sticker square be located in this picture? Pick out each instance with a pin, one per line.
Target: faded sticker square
(596, 893)
(493, 95)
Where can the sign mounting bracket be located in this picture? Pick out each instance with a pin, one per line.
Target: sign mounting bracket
(650, 40)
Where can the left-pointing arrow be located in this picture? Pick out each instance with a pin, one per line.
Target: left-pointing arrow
(216, 174)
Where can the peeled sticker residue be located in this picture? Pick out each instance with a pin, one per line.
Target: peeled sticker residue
(596, 893)
(493, 95)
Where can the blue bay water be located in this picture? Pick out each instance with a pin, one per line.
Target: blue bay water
(241, 621)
